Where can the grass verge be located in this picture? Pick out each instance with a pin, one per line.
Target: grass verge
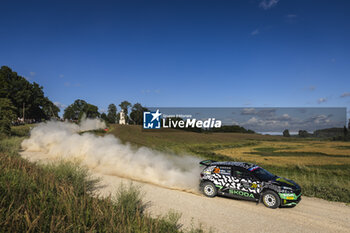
(58, 199)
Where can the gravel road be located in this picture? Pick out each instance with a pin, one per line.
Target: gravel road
(228, 215)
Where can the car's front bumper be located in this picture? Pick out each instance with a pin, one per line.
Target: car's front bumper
(289, 199)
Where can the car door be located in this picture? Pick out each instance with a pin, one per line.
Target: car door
(223, 177)
(246, 184)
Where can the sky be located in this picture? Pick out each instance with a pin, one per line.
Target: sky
(182, 53)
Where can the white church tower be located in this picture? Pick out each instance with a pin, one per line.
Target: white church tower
(122, 120)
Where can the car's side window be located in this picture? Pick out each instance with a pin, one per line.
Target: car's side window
(235, 172)
(240, 173)
(224, 170)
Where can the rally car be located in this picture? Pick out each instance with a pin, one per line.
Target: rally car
(248, 181)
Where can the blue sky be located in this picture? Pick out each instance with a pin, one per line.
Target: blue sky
(244, 53)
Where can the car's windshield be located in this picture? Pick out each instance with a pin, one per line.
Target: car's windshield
(262, 174)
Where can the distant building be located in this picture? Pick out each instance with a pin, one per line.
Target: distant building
(122, 119)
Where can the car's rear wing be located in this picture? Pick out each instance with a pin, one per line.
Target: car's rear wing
(206, 162)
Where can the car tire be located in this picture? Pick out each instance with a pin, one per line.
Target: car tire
(209, 189)
(271, 199)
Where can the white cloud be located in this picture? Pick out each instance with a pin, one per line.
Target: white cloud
(312, 88)
(291, 16)
(267, 4)
(345, 94)
(248, 111)
(31, 73)
(68, 84)
(321, 100)
(255, 32)
(286, 116)
(61, 76)
(266, 112)
(253, 120)
(60, 105)
(148, 91)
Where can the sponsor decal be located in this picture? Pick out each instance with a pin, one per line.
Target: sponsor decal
(216, 170)
(241, 193)
(288, 196)
(253, 168)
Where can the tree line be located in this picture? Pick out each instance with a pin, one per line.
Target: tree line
(21, 99)
(80, 108)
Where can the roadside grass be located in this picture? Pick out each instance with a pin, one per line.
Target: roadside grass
(329, 183)
(21, 130)
(58, 198)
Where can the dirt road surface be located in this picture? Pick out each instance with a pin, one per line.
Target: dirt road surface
(228, 215)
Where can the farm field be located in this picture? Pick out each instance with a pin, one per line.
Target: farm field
(321, 167)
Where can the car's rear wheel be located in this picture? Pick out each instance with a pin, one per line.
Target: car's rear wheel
(271, 199)
(209, 189)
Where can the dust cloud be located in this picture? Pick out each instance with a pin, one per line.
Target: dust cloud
(107, 155)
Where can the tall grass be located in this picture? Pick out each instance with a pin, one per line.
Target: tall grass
(57, 198)
(326, 182)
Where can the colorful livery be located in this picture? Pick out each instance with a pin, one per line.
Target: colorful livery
(248, 181)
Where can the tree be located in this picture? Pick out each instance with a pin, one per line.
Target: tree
(303, 133)
(112, 113)
(125, 106)
(345, 132)
(75, 110)
(50, 110)
(25, 96)
(91, 111)
(104, 117)
(7, 115)
(286, 133)
(136, 114)
(80, 108)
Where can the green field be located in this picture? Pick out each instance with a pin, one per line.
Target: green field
(321, 167)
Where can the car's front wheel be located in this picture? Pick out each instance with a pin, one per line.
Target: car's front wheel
(271, 199)
(209, 189)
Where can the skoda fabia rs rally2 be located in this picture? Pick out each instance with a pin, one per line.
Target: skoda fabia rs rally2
(248, 181)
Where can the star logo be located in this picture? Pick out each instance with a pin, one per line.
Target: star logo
(152, 120)
(156, 115)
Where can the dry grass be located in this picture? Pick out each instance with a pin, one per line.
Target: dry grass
(305, 153)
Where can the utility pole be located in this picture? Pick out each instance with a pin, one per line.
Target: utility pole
(24, 105)
(52, 115)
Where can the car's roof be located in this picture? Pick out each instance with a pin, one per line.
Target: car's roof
(237, 164)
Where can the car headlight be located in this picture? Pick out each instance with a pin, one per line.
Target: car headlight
(285, 189)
